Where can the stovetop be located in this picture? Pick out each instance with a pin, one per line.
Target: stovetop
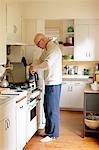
(23, 86)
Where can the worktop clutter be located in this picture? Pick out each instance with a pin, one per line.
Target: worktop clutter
(81, 68)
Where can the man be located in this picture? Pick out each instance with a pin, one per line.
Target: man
(51, 63)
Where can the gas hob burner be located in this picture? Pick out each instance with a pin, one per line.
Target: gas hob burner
(18, 86)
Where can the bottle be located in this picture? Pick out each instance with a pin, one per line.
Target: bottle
(94, 78)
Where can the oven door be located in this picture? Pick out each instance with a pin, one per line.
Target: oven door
(31, 119)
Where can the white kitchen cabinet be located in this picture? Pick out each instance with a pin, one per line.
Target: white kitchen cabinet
(78, 94)
(86, 40)
(64, 100)
(72, 95)
(13, 23)
(21, 124)
(81, 43)
(7, 127)
(94, 38)
(2, 32)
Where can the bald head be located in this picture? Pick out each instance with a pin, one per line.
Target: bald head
(40, 40)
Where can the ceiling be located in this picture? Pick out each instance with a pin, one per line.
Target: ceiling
(37, 0)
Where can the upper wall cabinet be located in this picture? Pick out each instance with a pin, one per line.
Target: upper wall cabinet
(13, 23)
(2, 32)
(86, 40)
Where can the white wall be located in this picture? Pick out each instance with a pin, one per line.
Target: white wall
(62, 9)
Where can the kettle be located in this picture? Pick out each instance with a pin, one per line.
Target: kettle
(4, 83)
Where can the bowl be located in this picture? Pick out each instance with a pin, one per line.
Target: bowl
(94, 87)
(68, 57)
(92, 124)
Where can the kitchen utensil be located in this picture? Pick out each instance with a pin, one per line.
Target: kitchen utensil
(75, 69)
(23, 60)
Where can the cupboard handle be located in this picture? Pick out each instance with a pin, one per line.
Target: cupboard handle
(77, 83)
(6, 125)
(21, 99)
(21, 107)
(15, 29)
(71, 88)
(86, 54)
(89, 54)
(68, 88)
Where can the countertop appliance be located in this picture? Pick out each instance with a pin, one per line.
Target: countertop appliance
(17, 74)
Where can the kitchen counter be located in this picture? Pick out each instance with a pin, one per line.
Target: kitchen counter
(66, 77)
(89, 90)
(2, 89)
(7, 95)
(5, 99)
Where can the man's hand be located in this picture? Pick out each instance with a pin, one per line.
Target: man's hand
(32, 70)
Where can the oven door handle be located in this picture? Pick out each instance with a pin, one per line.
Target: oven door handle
(31, 106)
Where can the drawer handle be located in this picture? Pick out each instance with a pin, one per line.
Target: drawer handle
(21, 99)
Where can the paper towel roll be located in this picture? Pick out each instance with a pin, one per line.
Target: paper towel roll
(2, 71)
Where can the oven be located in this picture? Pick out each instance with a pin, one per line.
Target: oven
(31, 116)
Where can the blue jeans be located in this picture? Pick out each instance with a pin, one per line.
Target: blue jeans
(52, 110)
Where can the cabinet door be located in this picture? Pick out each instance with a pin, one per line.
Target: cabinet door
(2, 32)
(72, 95)
(21, 124)
(8, 128)
(3, 134)
(7, 134)
(11, 132)
(94, 38)
(66, 92)
(87, 40)
(81, 51)
(78, 91)
(13, 23)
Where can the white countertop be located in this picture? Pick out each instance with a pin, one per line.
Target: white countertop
(8, 95)
(89, 90)
(4, 99)
(75, 76)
